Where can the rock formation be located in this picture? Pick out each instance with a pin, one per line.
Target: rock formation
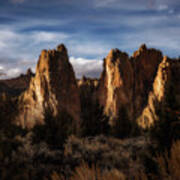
(115, 89)
(165, 95)
(87, 88)
(139, 85)
(145, 64)
(131, 89)
(90, 112)
(53, 90)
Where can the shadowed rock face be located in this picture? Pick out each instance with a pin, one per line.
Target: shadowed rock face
(145, 64)
(53, 90)
(87, 88)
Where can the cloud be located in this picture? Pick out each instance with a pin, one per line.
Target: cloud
(162, 7)
(13, 72)
(136, 5)
(41, 36)
(86, 67)
(27, 45)
(88, 30)
(91, 48)
(14, 67)
(166, 39)
(2, 45)
(104, 3)
(10, 73)
(126, 4)
(171, 11)
(1, 68)
(19, 51)
(82, 67)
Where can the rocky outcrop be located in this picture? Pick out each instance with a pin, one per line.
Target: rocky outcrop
(130, 89)
(87, 88)
(115, 89)
(165, 95)
(90, 112)
(138, 85)
(53, 90)
(145, 65)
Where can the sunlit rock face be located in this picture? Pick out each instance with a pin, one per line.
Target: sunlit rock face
(145, 65)
(115, 88)
(165, 95)
(140, 85)
(53, 90)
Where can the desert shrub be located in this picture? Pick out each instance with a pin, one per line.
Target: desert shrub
(122, 126)
(150, 166)
(166, 130)
(168, 165)
(135, 130)
(7, 146)
(8, 108)
(56, 130)
(94, 122)
(56, 176)
(10, 131)
(86, 172)
(8, 143)
(38, 160)
(140, 176)
(107, 152)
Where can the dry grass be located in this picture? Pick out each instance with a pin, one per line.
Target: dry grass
(169, 169)
(170, 166)
(108, 153)
(104, 158)
(84, 172)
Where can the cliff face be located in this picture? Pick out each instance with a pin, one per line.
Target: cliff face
(53, 90)
(87, 88)
(165, 95)
(115, 88)
(140, 85)
(145, 65)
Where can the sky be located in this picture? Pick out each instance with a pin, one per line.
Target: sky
(88, 28)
